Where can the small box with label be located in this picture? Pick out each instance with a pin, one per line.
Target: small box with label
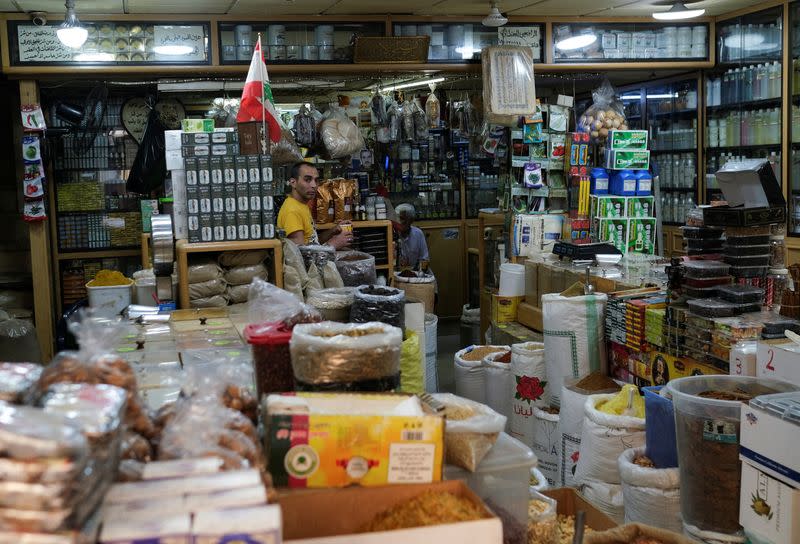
(769, 510)
(642, 236)
(253, 169)
(641, 206)
(614, 231)
(242, 225)
(228, 170)
(206, 228)
(627, 139)
(197, 125)
(215, 165)
(242, 197)
(577, 149)
(217, 198)
(266, 167)
(218, 226)
(624, 159)
(241, 169)
(255, 224)
(204, 193)
(231, 232)
(203, 171)
(608, 207)
(190, 166)
(193, 227)
(224, 136)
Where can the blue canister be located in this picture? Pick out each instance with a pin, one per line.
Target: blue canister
(598, 181)
(644, 183)
(623, 183)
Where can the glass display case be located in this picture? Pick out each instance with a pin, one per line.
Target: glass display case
(793, 211)
(744, 94)
(670, 117)
(292, 43)
(111, 43)
(630, 42)
(462, 42)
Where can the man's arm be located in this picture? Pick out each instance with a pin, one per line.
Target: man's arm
(298, 237)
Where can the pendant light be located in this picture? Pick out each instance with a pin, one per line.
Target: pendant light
(677, 12)
(71, 33)
(495, 18)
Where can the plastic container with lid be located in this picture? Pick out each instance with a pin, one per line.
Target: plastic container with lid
(743, 251)
(707, 433)
(623, 183)
(749, 271)
(751, 230)
(706, 244)
(778, 325)
(707, 282)
(502, 477)
(741, 294)
(777, 250)
(748, 260)
(747, 308)
(712, 307)
(599, 181)
(272, 360)
(700, 292)
(742, 358)
(702, 232)
(705, 269)
(778, 281)
(644, 183)
(747, 240)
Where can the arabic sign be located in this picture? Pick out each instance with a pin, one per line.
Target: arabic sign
(41, 44)
(188, 43)
(521, 36)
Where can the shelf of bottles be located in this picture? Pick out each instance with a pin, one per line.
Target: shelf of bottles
(743, 94)
(793, 211)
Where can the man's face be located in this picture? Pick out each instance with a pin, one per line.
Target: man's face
(305, 185)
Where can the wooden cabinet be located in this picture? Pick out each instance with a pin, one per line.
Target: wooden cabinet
(673, 241)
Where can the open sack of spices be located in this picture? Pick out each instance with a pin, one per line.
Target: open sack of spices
(346, 356)
(635, 533)
(471, 429)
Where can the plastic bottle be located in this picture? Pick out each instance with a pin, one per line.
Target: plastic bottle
(599, 181)
(717, 92)
(644, 183)
(676, 208)
(757, 77)
(690, 172)
(667, 207)
(747, 89)
(726, 87)
(776, 125)
(774, 75)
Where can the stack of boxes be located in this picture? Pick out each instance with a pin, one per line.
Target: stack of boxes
(626, 222)
(228, 196)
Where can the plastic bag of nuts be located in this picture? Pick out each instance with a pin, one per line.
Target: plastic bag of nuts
(228, 378)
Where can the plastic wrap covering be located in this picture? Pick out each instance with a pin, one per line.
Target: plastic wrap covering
(28, 434)
(340, 135)
(204, 271)
(356, 268)
(285, 150)
(378, 109)
(509, 90)
(238, 294)
(224, 379)
(204, 428)
(17, 381)
(606, 113)
(346, 356)
(243, 275)
(433, 109)
(207, 289)
(384, 304)
(94, 363)
(248, 257)
(269, 304)
(471, 429)
(317, 254)
(136, 447)
(333, 304)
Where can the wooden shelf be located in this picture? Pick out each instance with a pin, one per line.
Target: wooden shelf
(359, 224)
(99, 254)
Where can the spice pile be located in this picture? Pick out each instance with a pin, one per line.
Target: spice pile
(429, 508)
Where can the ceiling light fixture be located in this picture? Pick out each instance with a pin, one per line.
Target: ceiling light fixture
(576, 42)
(71, 33)
(677, 12)
(495, 18)
(418, 83)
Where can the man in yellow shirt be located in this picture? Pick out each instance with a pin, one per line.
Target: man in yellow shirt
(294, 216)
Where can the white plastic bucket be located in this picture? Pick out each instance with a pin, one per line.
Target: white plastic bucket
(512, 280)
(110, 300)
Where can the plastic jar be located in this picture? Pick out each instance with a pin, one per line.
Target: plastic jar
(272, 360)
(777, 283)
(777, 249)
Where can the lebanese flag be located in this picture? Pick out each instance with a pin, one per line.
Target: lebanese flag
(257, 102)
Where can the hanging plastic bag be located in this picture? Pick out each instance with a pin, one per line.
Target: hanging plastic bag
(407, 119)
(150, 165)
(340, 135)
(395, 114)
(606, 113)
(433, 108)
(305, 128)
(285, 150)
(420, 121)
(378, 110)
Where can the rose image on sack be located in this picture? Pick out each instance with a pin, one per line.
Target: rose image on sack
(529, 388)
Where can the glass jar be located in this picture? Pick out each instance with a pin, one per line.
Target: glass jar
(777, 283)
(272, 360)
(777, 250)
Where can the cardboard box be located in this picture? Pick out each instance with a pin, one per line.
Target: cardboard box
(172, 140)
(609, 207)
(753, 194)
(206, 227)
(305, 448)
(242, 197)
(215, 165)
(253, 525)
(251, 136)
(228, 170)
(530, 316)
(203, 171)
(551, 280)
(242, 225)
(504, 309)
(628, 140)
(661, 367)
(641, 206)
(769, 510)
(241, 169)
(624, 159)
(532, 295)
(197, 125)
(217, 198)
(193, 225)
(642, 236)
(335, 516)
(195, 138)
(570, 502)
(218, 226)
(614, 231)
(770, 443)
(779, 361)
(174, 159)
(190, 166)
(505, 334)
(204, 196)
(222, 136)
(170, 529)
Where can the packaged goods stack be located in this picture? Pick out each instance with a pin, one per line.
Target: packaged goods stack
(229, 196)
(706, 242)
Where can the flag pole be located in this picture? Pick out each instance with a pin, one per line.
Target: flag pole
(262, 69)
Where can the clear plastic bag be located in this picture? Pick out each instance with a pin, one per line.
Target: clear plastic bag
(542, 519)
(136, 447)
(606, 113)
(332, 303)
(471, 429)
(509, 90)
(272, 304)
(356, 268)
(407, 120)
(346, 356)
(17, 381)
(330, 276)
(285, 150)
(30, 434)
(221, 378)
(244, 275)
(249, 257)
(305, 128)
(207, 289)
(378, 109)
(395, 115)
(384, 304)
(340, 135)
(420, 122)
(204, 271)
(317, 254)
(433, 108)
(97, 409)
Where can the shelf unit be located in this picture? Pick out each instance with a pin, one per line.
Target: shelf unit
(792, 133)
(379, 224)
(183, 249)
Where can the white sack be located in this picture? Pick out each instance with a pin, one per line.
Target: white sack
(470, 376)
(527, 388)
(574, 338)
(499, 380)
(570, 427)
(545, 444)
(606, 497)
(651, 495)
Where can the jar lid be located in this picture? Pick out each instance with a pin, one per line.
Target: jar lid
(269, 334)
(783, 271)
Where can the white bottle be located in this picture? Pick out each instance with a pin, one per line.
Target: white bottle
(689, 203)
(677, 216)
(690, 172)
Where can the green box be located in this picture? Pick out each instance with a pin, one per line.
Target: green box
(642, 236)
(627, 139)
(641, 206)
(626, 159)
(149, 208)
(197, 125)
(614, 231)
(609, 207)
